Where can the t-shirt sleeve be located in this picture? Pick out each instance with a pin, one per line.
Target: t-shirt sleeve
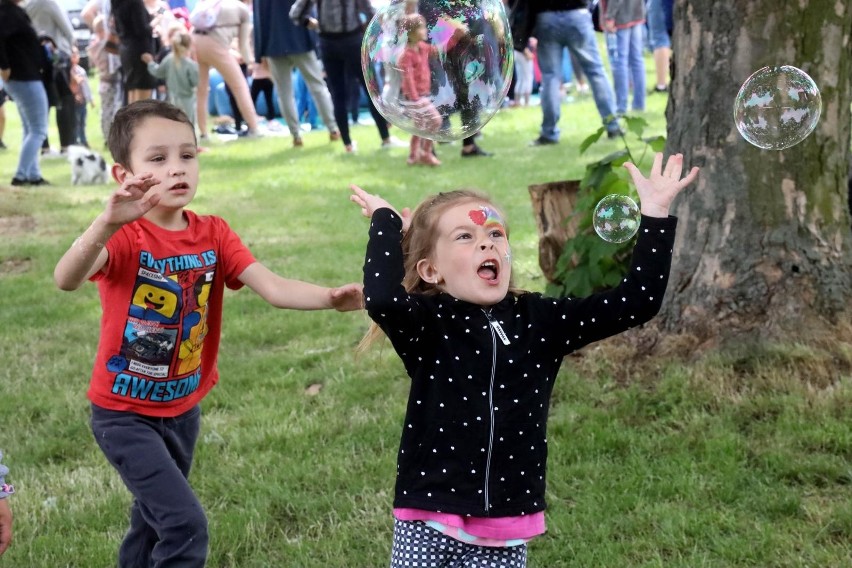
(117, 248)
(235, 256)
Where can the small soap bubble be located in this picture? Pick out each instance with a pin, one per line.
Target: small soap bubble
(439, 69)
(616, 218)
(777, 107)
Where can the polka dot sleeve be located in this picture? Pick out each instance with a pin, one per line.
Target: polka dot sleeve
(634, 301)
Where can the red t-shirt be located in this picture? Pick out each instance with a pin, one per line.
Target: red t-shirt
(161, 296)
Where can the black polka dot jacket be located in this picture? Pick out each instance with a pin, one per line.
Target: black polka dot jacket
(474, 441)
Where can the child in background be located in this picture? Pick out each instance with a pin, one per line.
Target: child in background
(108, 67)
(261, 82)
(161, 271)
(179, 71)
(483, 357)
(5, 511)
(524, 61)
(416, 87)
(82, 96)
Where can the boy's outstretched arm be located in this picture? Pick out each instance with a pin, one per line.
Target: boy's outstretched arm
(658, 190)
(88, 253)
(298, 295)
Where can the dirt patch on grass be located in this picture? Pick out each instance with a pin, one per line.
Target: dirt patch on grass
(16, 225)
(11, 266)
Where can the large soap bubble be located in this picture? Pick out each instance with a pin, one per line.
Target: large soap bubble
(777, 107)
(616, 218)
(439, 69)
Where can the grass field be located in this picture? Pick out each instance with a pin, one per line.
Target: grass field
(726, 461)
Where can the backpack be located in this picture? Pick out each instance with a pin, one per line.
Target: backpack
(204, 15)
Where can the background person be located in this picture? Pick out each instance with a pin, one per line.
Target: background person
(22, 58)
(287, 46)
(5, 511)
(51, 21)
(213, 50)
(133, 25)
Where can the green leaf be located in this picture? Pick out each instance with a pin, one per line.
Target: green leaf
(636, 124)
(584, 145)
(657, 143)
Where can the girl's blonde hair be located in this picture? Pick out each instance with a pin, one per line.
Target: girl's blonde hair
(181, 42)
(419, 243)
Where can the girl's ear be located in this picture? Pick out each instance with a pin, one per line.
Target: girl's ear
(119, 173)
(427, 271)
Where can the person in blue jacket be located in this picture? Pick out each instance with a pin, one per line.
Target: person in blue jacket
(287, 46)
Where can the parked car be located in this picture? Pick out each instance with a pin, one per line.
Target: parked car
(82, 33)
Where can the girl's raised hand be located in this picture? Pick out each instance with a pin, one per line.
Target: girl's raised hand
(129, 202)
(658, 190)
(369, 203)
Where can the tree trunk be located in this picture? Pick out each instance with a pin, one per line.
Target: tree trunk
(764, 247)
(552, 205)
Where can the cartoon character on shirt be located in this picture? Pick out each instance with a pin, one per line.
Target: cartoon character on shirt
(195, 326)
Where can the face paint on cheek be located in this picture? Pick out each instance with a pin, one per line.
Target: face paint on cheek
(508, 255)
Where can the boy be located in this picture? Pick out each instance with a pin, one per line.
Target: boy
(161, 271)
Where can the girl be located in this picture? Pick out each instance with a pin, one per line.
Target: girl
(482, 358)
(179, 71)
(416, 87)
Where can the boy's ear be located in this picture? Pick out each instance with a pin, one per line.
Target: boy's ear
(428, 272)
(120, 173)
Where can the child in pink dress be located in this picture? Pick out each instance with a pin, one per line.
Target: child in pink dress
(416, 89)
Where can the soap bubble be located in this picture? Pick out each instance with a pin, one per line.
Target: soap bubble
(447, 86)
(616, 218)
(777, 107)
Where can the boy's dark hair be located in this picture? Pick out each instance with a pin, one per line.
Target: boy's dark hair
(128, 118)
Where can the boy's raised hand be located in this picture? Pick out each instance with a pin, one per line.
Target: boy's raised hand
(369, 203)
(658, 190)
(348, 297)
(129, 201)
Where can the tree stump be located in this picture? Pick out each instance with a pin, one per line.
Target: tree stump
(553, 203)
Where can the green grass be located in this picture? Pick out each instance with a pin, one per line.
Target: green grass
(724, 461)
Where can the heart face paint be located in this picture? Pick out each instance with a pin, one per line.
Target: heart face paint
(487, 217)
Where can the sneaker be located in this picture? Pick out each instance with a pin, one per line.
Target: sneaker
(542, 141)
(474, 153)
(39, 181)
(225, 129)
(614, 133)
(393, 142)
(298, 142)
(51, 155)
(351, 148)
(251, 133)
(334, 136)
(660, 89)
(19, 182)
(2, 146)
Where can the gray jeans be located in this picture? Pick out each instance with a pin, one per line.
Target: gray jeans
(281, 68)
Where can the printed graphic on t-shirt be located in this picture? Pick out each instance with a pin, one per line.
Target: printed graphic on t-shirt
(160, 357)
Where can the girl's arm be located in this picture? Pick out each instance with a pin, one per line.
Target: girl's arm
(297, 295)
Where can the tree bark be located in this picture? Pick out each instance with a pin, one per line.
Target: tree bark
(764, 246)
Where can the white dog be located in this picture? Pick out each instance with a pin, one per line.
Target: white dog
(87, 167)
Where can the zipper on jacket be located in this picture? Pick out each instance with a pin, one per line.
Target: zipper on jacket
(496, 330)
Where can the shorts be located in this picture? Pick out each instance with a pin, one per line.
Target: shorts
(417, 545)
(135, 71)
